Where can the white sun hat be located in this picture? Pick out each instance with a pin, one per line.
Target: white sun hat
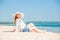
(22, 14)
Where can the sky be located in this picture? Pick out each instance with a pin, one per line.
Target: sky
(34, 10)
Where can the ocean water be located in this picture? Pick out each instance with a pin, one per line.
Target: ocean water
(49, 29)
(48, 26)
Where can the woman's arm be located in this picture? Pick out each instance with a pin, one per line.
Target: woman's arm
(16, 25)
(17, 22)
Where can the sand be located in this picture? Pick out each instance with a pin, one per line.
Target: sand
(4, 35)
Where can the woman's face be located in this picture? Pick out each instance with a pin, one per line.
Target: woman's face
(18, 15)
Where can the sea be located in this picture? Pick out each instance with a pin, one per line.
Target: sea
(48, 26)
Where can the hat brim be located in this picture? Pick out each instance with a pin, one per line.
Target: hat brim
(22, 14)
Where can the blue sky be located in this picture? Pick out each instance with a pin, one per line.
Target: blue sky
(34, 10)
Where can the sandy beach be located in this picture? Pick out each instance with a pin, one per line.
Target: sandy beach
(4, 35)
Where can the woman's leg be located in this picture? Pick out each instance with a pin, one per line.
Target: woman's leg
(34, 29)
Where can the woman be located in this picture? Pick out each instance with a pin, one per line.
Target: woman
(34, 29)
(20, 25)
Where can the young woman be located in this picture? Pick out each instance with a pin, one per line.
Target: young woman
(20, 25)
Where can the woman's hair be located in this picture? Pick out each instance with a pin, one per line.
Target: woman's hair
(15, 18)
